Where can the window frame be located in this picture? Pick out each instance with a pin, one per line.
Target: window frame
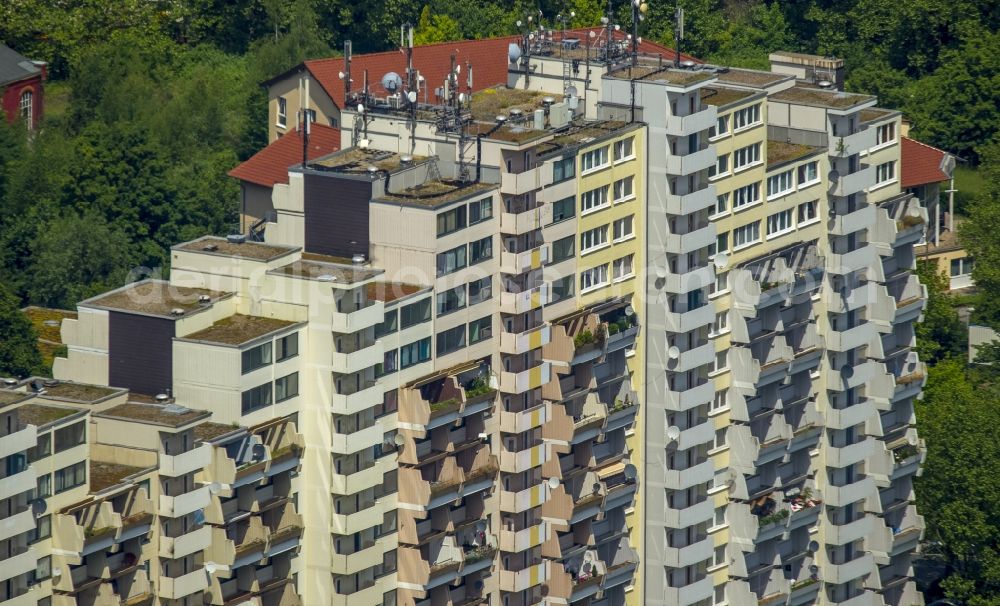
(281, 114)
(592, 234)
(779, 218)
(588, 276)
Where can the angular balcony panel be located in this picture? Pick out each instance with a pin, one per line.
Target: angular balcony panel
(181, 505)
(693, 358)
(840, 496)
(523, 262)
(368, 395)
(689, 555)
(369, 555)
(20, 564)
(523, 342)
(682, 283)
(692, 241)
(682, 126)
(863, 257)
(689, 164)
(848, 223)
(686, 321)
(521, 302)
(848, 571)
(850, 532)
(525, 182)
(518, 422)
(523, 460)
(177, 547)
(521, 540)
(848, 145)
(189, 462)
(856, 182)
(523, 222)
(696, 435)
(523, 500)
(18, 441)
(350, 443)
(526, 380)
(686, 399)
(175, 588)
(851, 338)
(356, 361)
(689, 516)
(689, 594)
(856, 414)
(351, 322)
(693, 476)
(524, 579)
(685, 204)
(19, 483)
(17, 524)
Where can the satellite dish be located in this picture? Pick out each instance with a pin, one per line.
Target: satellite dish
(258, 452)
(364, 143)
(847, 371)
(38, 507)
(399, 439)
(571, 91)
(592, 34)
(673, 352)
(629, 310)
(411, 96)
(631, 473)
(458, 69)
(461, 97)
(661, 271)
(721, 260)
(673, 433)
(813, 546)
(361, 108)
(341, 75)
(553, 483)
(392, 82)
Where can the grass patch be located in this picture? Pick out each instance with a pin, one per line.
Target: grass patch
(970, 183)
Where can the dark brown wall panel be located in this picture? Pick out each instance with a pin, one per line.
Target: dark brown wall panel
(141, 352)
(336, 213)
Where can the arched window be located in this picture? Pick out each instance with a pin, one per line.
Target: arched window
(26, 105)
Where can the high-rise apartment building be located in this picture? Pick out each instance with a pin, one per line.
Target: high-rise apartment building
(619, 332)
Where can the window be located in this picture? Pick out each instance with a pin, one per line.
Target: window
(480, 290)
(780, 184)
(885, 173)
(562, 249)
(808, 173)
(42, 530)
(480, 210)
(480, 330)
(415, 313)
(43, 487)
(624, 149)
(622, 268)
(414, 353)
(388, 325)
(885, 134)
(257, 357)
(282, 112)
(42, 449)
(451, 221)
(721, 204)
(561, 289)
(808, 212)
(451, 340)
(719, 401)
(594, 159)
(255, 398)
(746, 235)
(961, 267)
(624, 228)
(721, 282)
(594, 199)
(286, 387)
(721, 166)
(563, 209)
(563, 169)
(721, 323)
(746, 117)
(593, 277)
(26, 106)
(481, 250)
(746, 195)
(70, 436)
(311, 116)
(624, 189)
(389, 364)
(593, 238)
(286, 347)
(721, 127)
(722, 242)
(451, 300)
(745, 156)
(71, 477)
(451, 260)
(43, 569)
(719, 442)
(720, 363)
(779, 223)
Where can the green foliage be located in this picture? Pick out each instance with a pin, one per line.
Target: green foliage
(19, 355)
(435, 28)
(980, 237)
(586, 337)
(942, 333)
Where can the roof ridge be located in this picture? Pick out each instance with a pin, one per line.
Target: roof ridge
(927, 145)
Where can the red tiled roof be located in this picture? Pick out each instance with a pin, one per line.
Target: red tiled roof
(270, 165)
(921, 163)
(488, 58)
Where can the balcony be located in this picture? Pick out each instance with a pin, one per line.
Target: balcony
(682, 244)
(517, 541)
(850, 338)
(692, 593)
(523, 460)
(702, 120)
(523, 500)
(524, 579)
(682, 283)
(19, 523)
(369, 555)
(191, 542)
(523, 342)
(687, 398)
(693, 358)
(848, 571)
(910, 299)
(685, 204)
(348, 323)
(856, 182)
(861, 412)
(522, 222)
(849, 532)
(518, 422)
(526, 380)
(840, 496)
(361, 358)
(689, 516)
(365, 516)
(175, 588)
(693, 319)
(185, 463)
(521, 302)
(862, 218)
(691, 163)
(356, 440)
(527, 181)
(702, 432)
(680, 479)
(689, 555)
(181, 505)
(842, 147)
(19, 564)
(18, 483)
(352, 400)
(18, 441)
(862, 257)
(523, 262)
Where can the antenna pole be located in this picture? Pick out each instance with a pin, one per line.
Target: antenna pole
(678, 33)
(347, 69)
(635, 33)
(607, 45)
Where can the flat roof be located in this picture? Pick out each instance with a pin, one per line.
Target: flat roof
(238, 329)
(43, 414)
(8, 397)
(721, 96)
(358, 161)
(215, 245)
(751, 77)
(104, 475)
(155, 297)
(170, 415)
(665, 73)
(489, 103)
(81, 392)
(434, 193)
(589, 133)
(209, 430)
(876, 113)
(387, 292)
(48, 321)
(833, 99)
(327, 272)
(779, 152)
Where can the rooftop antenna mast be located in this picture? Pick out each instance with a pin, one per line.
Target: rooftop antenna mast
(639, 9)
(347, 69)
(609, 23)
(305, 123)
(678, 33)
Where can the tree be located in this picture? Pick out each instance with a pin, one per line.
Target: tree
(980, 237)
(435, 28)
(942, 333)
(19, 356)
